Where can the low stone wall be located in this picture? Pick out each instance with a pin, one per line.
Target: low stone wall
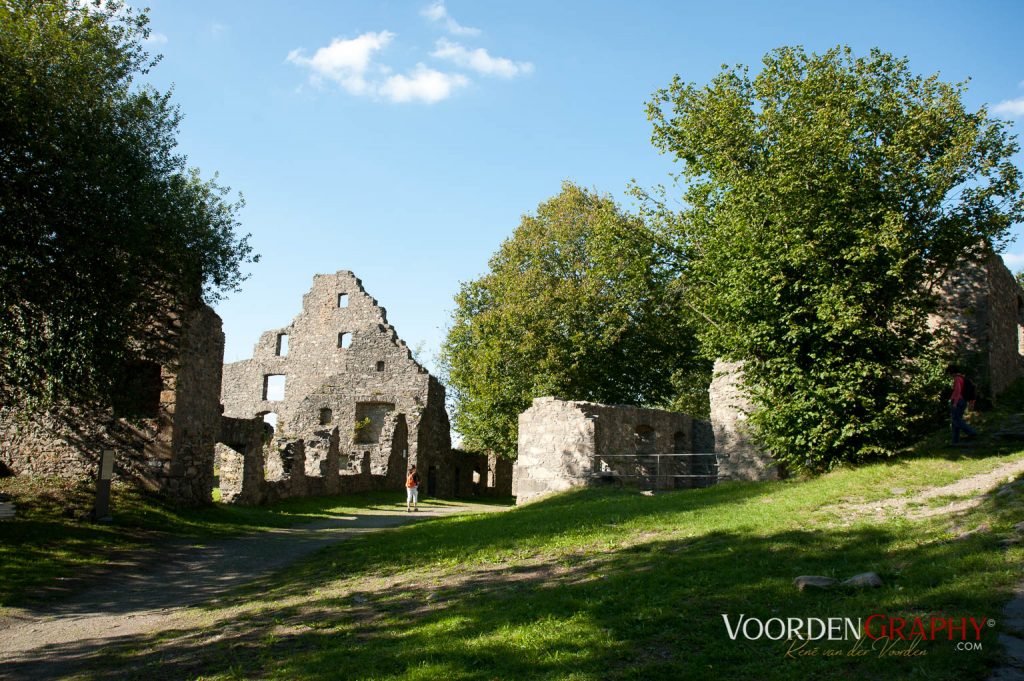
(240, 459)
(254, 472)
(565, 444)
(500, 471)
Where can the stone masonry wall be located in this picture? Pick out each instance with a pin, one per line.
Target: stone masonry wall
(739, 456)
(195, 413)
(981, 317)
(1005, 325)
(566, 444)
(170, 452)
(347, 374)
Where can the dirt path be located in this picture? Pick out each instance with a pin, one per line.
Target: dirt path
(47, 642)
(976, 484)
(1012, 668)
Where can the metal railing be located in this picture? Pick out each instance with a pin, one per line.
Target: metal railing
(677, 470)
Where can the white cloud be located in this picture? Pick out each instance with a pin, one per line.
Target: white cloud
(345, 61)
(439, 13)
(350, 63)
(422, 84)
(1010, 107)
(156, 39)
(479, 60)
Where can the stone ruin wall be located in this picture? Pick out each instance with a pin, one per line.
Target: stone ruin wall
(739, 455)
(982, 313)
(981, 316)
(566, 444)
(357, 408)
(170, 452)
(173, 451)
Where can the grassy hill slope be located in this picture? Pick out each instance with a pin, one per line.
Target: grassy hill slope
(617, 585)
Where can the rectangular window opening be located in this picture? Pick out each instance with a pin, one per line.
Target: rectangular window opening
(282, 345)
(342, 300)
(344, 339)
(273, 387)
(380, 366)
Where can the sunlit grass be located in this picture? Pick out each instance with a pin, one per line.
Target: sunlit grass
(611, 584)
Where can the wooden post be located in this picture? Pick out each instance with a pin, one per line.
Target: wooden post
(101, 512)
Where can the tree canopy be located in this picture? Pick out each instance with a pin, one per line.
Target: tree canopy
(576, 304)
(103, 221)
(825, 199)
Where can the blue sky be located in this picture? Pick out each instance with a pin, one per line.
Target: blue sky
(404, 140)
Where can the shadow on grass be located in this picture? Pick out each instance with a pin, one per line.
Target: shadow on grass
(652, 610)
(569, 518)
(44, 554)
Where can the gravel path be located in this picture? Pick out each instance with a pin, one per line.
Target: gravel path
(51, 641)
(975, 484)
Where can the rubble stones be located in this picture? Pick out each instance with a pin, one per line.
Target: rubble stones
(805, 582)
(864, 580)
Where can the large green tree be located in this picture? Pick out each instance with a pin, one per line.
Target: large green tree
(576, 304)
(825, 199)
(103, 222)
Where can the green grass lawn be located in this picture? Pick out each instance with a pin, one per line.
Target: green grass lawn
(612, 584)
(45, 550)
(600, 583)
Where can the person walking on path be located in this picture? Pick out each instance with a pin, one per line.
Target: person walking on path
(412, 490)
(963, 393)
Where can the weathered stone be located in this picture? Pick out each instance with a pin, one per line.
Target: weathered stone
(740, 457)
(864, 580)
(356, 404)
(805, 582)
(565, 444)
(982, 312)
(166, 445)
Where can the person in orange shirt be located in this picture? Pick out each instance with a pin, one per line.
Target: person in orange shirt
(412, 490)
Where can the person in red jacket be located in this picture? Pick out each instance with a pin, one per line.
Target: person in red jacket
(958, 404)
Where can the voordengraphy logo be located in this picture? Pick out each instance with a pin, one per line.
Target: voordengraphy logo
(794, 628)
(883, 634)
(956, 629)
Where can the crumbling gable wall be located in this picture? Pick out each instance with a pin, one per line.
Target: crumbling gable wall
(165, 444)
(346, 374)
(565, 444)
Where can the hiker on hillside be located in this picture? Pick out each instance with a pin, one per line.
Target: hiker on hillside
(412, 490)
(964, 393)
